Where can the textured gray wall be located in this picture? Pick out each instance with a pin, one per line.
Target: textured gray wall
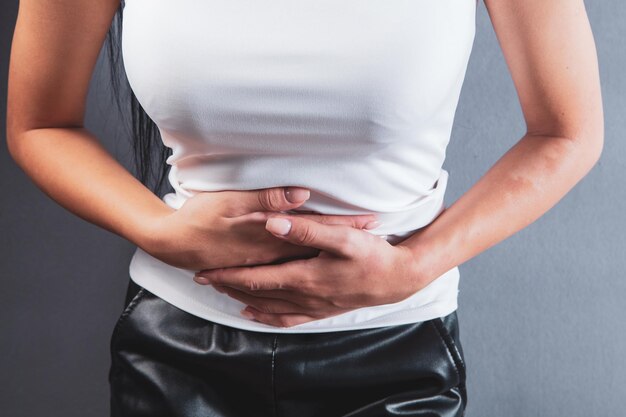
(541, 314)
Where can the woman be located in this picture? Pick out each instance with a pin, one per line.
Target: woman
(306, 142)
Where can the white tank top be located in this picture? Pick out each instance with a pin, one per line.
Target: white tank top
(352, 99)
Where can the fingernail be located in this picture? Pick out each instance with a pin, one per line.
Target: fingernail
(296, 195)
(247, 314)
(201, 280)
(278, 225)
(373, 224)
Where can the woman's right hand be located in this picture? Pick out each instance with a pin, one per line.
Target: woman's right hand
(227, 228)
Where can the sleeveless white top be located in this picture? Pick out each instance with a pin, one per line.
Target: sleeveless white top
(352, 99)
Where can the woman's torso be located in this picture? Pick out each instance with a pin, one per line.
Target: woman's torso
(354, 100)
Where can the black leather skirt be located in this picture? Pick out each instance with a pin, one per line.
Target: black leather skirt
(167, 362)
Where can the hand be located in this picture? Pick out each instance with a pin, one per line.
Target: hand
(227, 228)
(354, 269)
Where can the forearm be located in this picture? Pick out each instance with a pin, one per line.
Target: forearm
(522, 185)
(72, 168)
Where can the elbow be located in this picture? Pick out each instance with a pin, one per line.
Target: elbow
(580, 135)
(598, 147)
(14, 142)
(11, 139)
(591, 136)
(585, 141)
(593, 142)
(579, 148)
(12, 132)
(589, 147)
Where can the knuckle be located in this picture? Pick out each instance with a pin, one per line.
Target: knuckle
(263, 198)
(346, 243)
(265, 308)
(271, 199)
(275, 283)
(306, 235)
(307, 284)
(357, 221)
(340, 304)
(325, 219)
(227, 207)
(252, 284)
(303, 281)
(310, 304)
(285, 321)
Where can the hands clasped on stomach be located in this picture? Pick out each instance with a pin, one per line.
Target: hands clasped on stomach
(322, 266)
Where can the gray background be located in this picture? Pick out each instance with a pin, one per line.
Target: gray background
(541, 314)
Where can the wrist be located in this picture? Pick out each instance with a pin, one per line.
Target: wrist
(416, 276)
(150, 231)
(423, 262)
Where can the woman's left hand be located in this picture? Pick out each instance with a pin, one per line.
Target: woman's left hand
(354, 269)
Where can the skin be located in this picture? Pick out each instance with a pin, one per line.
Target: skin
(54, 51)
(550, 52)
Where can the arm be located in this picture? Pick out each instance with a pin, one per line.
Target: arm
(550, 52)
(54, 50)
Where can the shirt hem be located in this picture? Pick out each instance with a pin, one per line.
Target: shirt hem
(179, 289)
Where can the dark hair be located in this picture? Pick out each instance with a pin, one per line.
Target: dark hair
(145, 136)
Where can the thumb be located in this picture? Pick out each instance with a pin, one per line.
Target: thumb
(306, 232)
(272, 199)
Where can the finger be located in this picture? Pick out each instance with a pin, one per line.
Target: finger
(286, 320)
(335, 239)
(312, 302)
(266, 305)
(287, 295)
(279, 320)
(293, 275)
(267, 199)
(358, 221)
